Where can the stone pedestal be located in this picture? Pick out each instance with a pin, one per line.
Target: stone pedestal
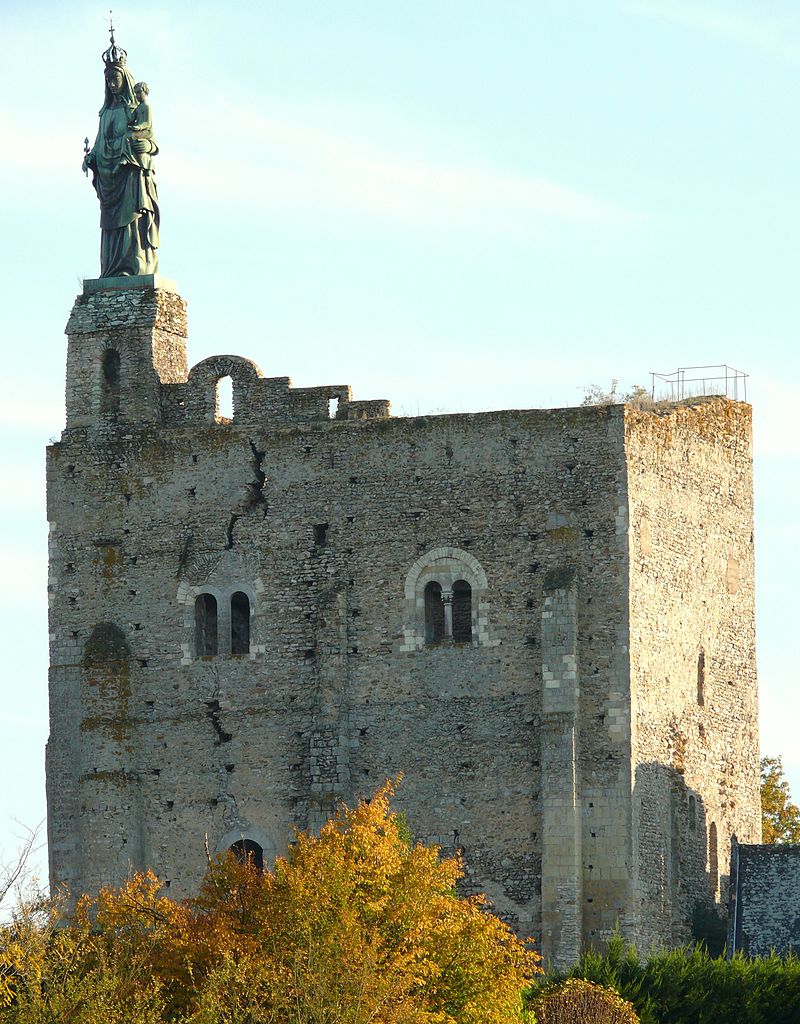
(127, 336)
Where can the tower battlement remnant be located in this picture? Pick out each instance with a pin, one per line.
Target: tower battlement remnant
(143, 329)
(543, 618)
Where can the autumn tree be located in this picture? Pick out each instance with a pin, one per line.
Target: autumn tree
(780, 818)
(356, 926)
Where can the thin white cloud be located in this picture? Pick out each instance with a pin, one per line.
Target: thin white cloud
(771, 32)
(775, 404)
(272, 161)
(303, 158)
(779, 713)
(24, 574)
(41, 417)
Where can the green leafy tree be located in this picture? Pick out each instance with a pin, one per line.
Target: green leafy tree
(780, 818)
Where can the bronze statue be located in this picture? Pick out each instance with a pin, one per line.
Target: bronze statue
(121, 162)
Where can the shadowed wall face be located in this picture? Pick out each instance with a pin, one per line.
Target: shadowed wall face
(765, 900)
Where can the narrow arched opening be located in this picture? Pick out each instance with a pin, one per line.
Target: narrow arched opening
(462, 612)
(249, 852)
(701, 678)
(713, 857)
(109, 382)
(240, 623)
(434, 613)
(224, 408)
(205, 626)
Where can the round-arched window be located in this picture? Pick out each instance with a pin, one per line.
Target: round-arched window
(248, 851)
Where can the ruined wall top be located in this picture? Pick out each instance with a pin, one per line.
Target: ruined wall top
(143, 321)
(127, 363)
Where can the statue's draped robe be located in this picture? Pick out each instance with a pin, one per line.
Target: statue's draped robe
(126, 187)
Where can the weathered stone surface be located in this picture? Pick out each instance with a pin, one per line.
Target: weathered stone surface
(765, 900)
(562, 748)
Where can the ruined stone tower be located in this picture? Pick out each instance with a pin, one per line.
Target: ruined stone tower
(543, 618)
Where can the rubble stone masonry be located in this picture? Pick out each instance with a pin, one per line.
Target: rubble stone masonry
(542, 618)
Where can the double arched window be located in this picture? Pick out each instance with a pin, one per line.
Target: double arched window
(448, 613)
(221, 623)
(446, 600)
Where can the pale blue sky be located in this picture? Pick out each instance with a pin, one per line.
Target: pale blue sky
(458, 206)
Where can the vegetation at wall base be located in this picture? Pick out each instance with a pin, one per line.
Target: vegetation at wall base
(576, 1001)
(688, 986)
(356, 926)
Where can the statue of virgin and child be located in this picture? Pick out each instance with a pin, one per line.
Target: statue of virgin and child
(121, 162)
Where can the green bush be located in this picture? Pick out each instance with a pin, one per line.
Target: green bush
(689, 986)
(576, 1001)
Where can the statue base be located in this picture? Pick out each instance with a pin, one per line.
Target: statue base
(99, 284)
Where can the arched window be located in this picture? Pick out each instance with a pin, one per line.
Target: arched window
(240, 623)
(434, 613)
(446, 601)
(701, 678)
(225, 406)
(713, 857)
(462, 612)
(205, 625)
(109, 395)
(247, 851)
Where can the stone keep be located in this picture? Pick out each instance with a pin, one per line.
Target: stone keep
(542, 618)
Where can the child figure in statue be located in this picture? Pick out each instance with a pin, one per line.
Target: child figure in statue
(121, 162)
(141, 124)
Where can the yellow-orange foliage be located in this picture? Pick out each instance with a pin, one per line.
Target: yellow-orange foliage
(353, 927)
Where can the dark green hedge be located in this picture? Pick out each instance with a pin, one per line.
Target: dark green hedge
(687, 986)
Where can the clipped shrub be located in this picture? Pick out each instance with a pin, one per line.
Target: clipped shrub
(689, 986)
(576, 1001)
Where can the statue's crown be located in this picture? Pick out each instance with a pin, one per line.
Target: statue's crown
(114, 55)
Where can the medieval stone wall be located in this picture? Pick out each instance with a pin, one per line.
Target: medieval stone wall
(510, 721)
(692, 631)
(765, 900)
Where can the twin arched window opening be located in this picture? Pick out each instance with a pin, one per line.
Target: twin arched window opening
(448, 613)
(206, 625)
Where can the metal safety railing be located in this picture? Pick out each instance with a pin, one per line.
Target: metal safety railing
(697, 381)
